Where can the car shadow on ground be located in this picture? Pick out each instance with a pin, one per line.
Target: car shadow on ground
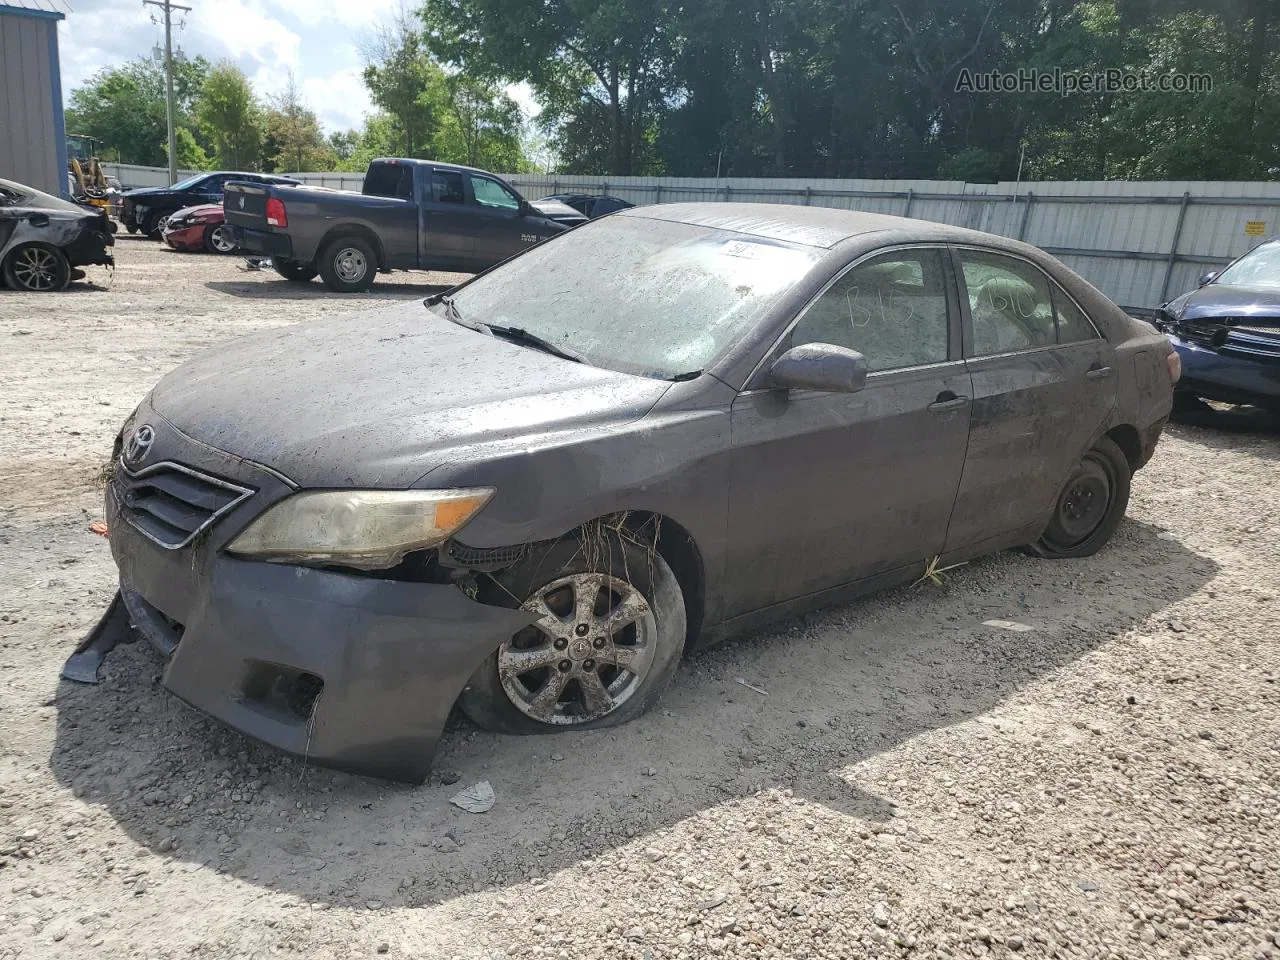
(1223, 427)
(829, 692)
(272, 287)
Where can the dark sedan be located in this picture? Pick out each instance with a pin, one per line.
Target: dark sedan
(589, 205)
(1227, 333)
(534, 495)
(148, 209)
(45, 240)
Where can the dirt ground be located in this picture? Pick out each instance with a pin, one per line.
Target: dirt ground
(912, 783)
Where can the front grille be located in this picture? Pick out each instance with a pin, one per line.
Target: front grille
(1234, 337)
(171, 504)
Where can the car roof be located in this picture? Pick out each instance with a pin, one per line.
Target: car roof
(811, 226)
(437, 164)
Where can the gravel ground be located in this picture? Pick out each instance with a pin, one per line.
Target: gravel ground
(912, 782)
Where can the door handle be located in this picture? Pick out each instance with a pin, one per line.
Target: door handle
(1098, 373)
(947, 401)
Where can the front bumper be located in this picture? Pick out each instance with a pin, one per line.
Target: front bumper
(1228, 379)
(349, 671)
(276, 245)
(186, 238)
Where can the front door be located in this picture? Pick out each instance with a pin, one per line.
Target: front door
(830, 488)
(500, 230)
(1043, 388)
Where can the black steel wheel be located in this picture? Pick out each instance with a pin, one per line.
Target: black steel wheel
(605, 645)
(217, 239)
(1091, 505)
(292, 270)
(36, 268)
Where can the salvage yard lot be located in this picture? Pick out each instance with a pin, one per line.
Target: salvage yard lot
(897, 778)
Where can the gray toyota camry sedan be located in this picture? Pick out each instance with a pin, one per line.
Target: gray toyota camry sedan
(530, 496)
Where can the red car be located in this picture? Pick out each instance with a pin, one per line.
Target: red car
(194, 229)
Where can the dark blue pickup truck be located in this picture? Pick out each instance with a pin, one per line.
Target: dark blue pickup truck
(410, 215)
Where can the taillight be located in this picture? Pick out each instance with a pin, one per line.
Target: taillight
(1174, 363)
(276, 216)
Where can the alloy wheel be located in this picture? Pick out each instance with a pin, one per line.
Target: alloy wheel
(586, 655)
(35, 269)
(221, 242)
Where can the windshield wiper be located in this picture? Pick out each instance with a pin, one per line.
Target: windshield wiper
(524, 337)
(451, 314)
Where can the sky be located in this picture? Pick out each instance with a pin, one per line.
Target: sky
(318, 39)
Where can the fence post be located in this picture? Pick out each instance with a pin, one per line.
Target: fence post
(657, 193)
(1173, 249)
(808, 194)
(1026, 215)
(911, 196)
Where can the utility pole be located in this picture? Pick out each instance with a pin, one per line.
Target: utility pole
(168, 6)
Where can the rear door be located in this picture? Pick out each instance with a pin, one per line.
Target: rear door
(829, 488)
(500, 230)
(448, 223)
(1043, 389)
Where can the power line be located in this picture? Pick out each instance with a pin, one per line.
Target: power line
(168, 6)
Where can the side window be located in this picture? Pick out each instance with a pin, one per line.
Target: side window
(212, 185)
(891, 309)
(446, 186)
(1010, 304)
(1073, 325)
(389, 180)
(492, 194)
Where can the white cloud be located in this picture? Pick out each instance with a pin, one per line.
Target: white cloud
(340, 100)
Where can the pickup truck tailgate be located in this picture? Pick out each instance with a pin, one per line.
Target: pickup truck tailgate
(245, 205)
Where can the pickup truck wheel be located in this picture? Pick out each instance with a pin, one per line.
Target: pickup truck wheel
(291, 270)
(347, 265)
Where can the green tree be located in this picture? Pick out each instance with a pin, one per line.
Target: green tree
(191, 155)
(124, 107)
(294, 140)
(404, 83)
(599, 67)
(231, 117)
(480, 126)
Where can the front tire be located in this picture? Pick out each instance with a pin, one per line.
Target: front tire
(347, 265)
(154, 227)
(217, 239)
(36, 268)
(131, 227)
(606, 646)
(293, 271)
(1091, 504)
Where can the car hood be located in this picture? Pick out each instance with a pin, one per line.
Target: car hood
(199, 210)
(1218, 300)
(380, 399)
(558, 211)
(141, 193)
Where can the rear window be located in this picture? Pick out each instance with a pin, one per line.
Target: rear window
(389, 180)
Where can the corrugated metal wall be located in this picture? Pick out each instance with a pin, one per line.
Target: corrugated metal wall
(1140, 243)
(28, 128)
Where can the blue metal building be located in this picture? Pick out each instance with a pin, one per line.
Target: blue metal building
(33, 143)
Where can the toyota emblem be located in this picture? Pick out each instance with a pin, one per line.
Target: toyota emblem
(135, 451)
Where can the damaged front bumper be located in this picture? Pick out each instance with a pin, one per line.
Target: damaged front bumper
(1228, 365)
(346, 670)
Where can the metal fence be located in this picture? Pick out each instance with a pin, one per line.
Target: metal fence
(1139, 242)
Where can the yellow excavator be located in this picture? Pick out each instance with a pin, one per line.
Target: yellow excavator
(87, 182)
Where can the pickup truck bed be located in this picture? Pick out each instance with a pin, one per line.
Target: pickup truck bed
(411, 215)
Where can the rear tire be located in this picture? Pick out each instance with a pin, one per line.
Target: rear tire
(1090, 506)
(293, 271)
(217, 239)
(36, 268)
(347, 265)
(582, 685)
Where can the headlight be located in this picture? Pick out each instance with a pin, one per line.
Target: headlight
(371, 529)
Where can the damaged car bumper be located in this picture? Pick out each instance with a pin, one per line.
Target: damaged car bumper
(348, 670)
(1235, 364)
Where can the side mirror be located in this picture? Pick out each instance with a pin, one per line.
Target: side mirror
(819, 366)
(527, 209)
(1209, 277)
